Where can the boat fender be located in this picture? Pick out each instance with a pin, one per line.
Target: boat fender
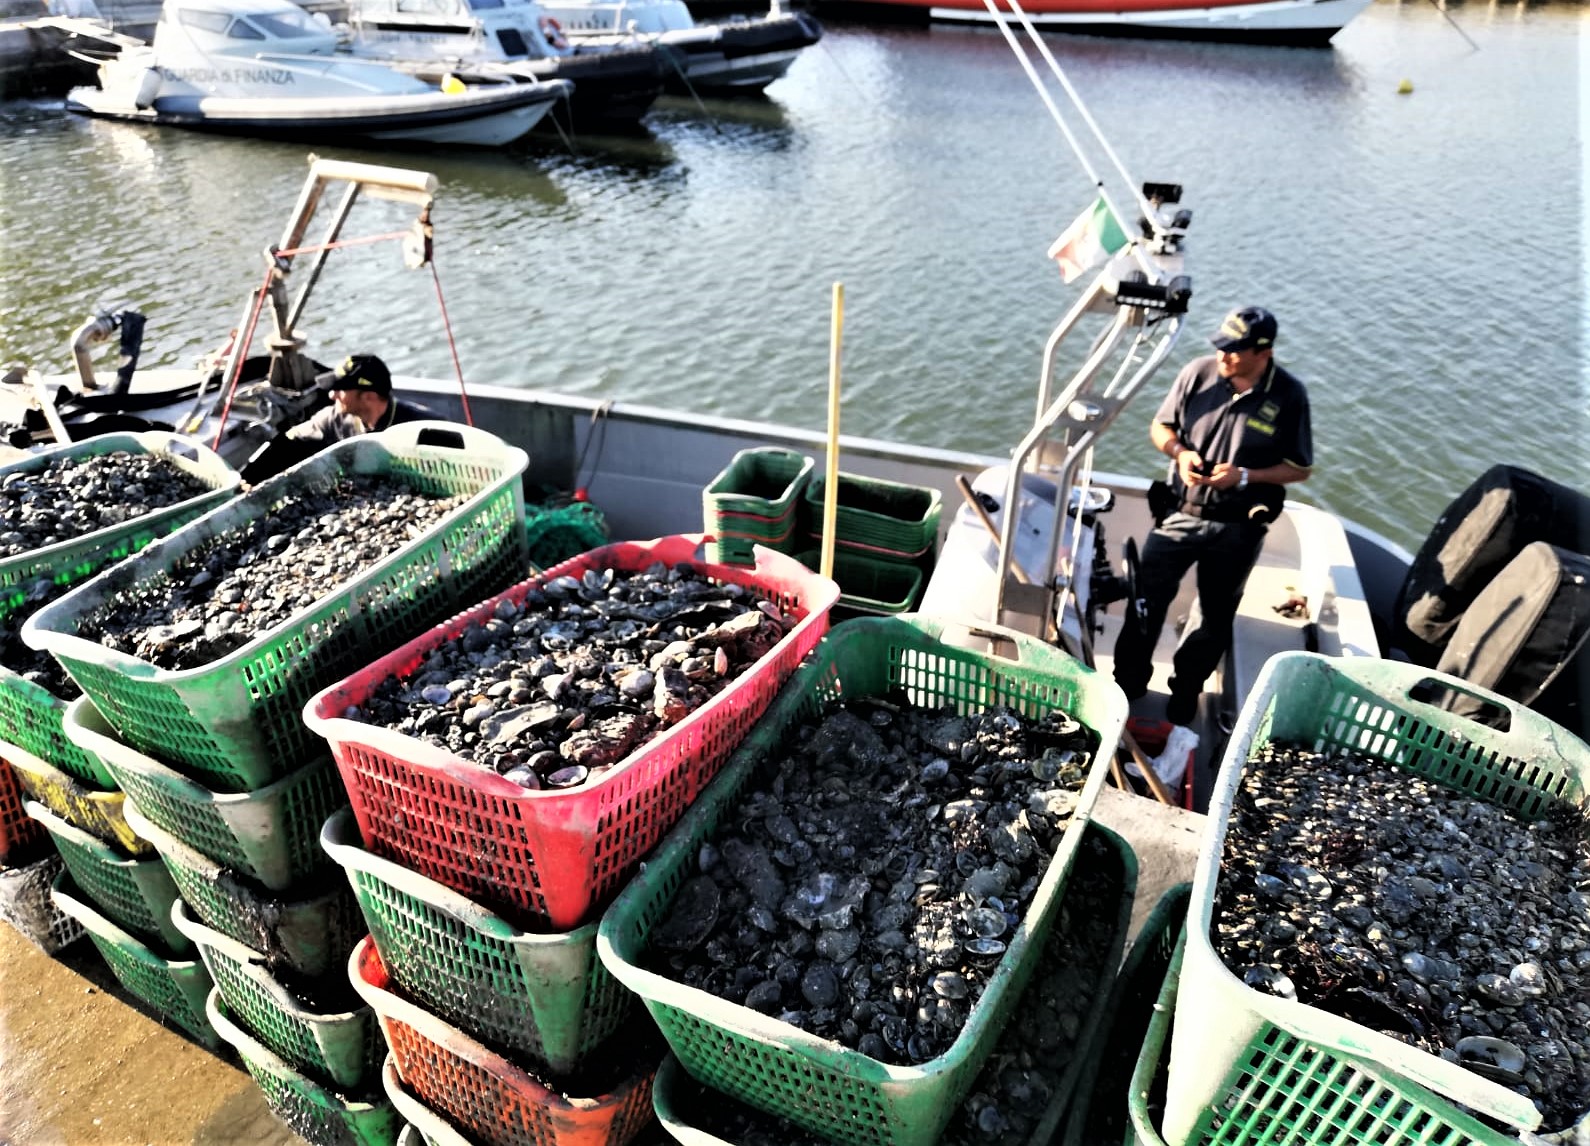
(553, 31)
(148, 88)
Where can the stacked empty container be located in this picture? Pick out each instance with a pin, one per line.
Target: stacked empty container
(70, 794)
(230, 788)
(756, 500)
(482, 896)
(886, 536)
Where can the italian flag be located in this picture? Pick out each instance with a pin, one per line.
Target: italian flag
(1086, 243)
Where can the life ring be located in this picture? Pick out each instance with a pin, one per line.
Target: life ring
(553, 31)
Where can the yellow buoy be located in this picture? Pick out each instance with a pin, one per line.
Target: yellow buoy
(452, 85)
(1405, 87)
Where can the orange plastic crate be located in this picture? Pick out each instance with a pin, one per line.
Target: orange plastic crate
(484, 1094)
(553, 856)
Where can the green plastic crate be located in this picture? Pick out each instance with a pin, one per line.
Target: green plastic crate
(770, 1064)
(870, 585)
(173, 988)
(763, 483)
(95, 811)
(30, 715)
(879, 516)
(340, 1048)
(235, 723)
(545, 995)
(271, 834)
(1101, 1111)
(315, 1113)
(672, 1094)
(25, 904)
(1299, 1093)
(308, 933)
(135, 893)
(1246, 1061)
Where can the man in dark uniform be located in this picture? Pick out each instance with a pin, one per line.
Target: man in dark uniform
(362, 403)
(1236, 427)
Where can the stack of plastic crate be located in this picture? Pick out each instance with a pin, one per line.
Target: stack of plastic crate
(231, 789)
(755, 500)
(76, 800)
(482, 897)
(886, 536)
(772, 1065)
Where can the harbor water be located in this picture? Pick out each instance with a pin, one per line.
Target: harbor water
(1422, 250)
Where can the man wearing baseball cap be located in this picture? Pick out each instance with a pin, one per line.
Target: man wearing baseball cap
(362, 403)
(1236, 428)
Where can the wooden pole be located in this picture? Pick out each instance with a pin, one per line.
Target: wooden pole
(831, 473)
(964, 484)
(1155, 784)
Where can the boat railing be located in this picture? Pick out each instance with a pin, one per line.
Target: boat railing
(1146, 322)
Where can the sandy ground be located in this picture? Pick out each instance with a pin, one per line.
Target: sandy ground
(83, 1063)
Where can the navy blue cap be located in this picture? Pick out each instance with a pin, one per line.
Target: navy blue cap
(1251, 328)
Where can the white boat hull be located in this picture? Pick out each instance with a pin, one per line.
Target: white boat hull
(1283, 20)
(482, 117)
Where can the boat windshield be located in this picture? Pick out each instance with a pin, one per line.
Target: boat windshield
(283, 24)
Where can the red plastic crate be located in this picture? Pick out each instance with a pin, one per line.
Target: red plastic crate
(18, 833)
(553, 856)
(494, 1101)
(1151, 736)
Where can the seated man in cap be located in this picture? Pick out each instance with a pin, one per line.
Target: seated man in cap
(362, 403)
(1236, 428)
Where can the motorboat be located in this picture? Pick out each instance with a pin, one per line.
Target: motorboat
(35, 40)
(268, 68)
(1293, 22)
(741, 54)
(616, 81)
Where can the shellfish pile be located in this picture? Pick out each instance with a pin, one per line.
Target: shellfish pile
(262, 573)
(867, 884)
(1434, 917)
(71, 497)
(1026, 1069)
(33, 664)
(555, 690)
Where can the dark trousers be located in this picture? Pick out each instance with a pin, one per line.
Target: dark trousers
(1224, 552)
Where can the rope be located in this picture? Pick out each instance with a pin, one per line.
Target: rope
(452, 346)
(242, 355)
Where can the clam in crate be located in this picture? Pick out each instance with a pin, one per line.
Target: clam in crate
(1250, 1062)
(819, 1082)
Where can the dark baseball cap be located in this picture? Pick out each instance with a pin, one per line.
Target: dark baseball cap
(358, 372)
(1251, 328)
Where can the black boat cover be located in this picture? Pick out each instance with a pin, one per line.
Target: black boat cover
(1526, 636)
(1485, 527)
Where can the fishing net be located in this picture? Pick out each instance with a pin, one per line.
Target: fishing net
(560, 528)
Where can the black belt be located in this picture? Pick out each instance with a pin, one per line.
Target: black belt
(1217, 512)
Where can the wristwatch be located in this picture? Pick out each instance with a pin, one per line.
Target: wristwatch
(1242, 477)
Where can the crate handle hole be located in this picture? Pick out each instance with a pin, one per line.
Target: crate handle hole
(436, 436)
(1450, 698)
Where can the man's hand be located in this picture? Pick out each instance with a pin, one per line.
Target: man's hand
(1224, 475)
(1188, 464)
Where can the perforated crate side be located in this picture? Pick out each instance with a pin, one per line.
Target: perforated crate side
(135, 893)
(545, 995)
(313, 1112)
